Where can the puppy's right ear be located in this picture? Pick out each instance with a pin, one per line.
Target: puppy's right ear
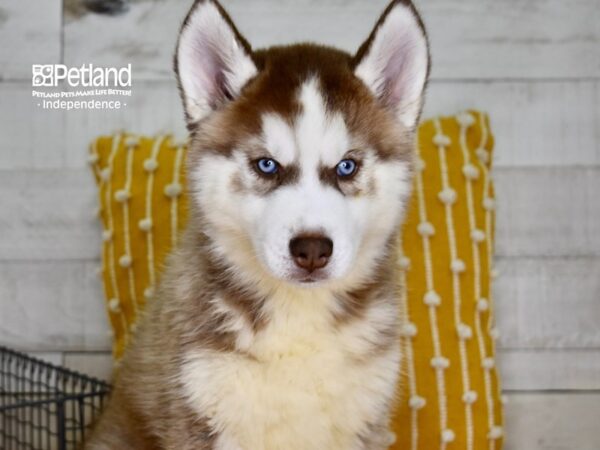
(213, 61)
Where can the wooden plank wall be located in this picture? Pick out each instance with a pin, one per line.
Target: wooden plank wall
(533, 65)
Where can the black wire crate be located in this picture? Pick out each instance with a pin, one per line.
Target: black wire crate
(45, 407)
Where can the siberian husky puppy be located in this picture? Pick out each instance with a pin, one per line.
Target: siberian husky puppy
(276, 323)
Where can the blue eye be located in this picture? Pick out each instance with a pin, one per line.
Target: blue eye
(267, 166)
(346, 168)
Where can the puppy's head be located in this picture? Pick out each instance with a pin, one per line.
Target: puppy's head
(300, 156)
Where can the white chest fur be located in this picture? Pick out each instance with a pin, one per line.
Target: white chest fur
(306, 386)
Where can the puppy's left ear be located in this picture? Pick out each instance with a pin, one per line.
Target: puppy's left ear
(394, 61)
(213, 61)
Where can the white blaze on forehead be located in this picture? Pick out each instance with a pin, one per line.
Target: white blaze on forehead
(317, 138)
(322, 137)
(279, 138)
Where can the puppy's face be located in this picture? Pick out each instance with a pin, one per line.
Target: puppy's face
(300, 157)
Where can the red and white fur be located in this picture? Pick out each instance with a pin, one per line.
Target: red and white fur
(275, 326)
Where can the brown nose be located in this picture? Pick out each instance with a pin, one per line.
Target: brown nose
(311, 252)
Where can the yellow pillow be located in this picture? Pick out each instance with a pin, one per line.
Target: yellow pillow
(451, 395)
(142, 210)
(450, 392)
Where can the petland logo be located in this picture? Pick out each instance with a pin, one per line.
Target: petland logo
(95, 81)
(85, 76)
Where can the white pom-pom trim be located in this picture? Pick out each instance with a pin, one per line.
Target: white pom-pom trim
(122, 195)
(458, 266)
(420, 164)
(483, 155)
(409, 329)
(403, 262)
(107, 235)
(93, 158)
(470, 172)
(465, 119)
(173, 190)
(488, 363)
(483, 304)
(441, 140)
(439, 362)
(125, 261)
(432, 298)
(145, 224)
(131, 141)
(448, 435)
(416, 402)
(150, 165)
(426, 229)
(496, 433)
(447, 196)
(478, 235)
(489, 204)
(469, 397)
(464, 331)
(114, 305)
(148, 292)
(105, 173)
(495, 334)
(390, 438)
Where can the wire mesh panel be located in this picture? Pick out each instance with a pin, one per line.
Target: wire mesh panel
(45, 407)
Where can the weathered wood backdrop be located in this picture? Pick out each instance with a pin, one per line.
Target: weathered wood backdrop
(533, 65)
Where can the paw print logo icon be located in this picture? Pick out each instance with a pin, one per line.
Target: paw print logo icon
(42, 75)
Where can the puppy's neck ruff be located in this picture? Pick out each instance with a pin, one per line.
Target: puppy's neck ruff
(312, 366)
(256, 299)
